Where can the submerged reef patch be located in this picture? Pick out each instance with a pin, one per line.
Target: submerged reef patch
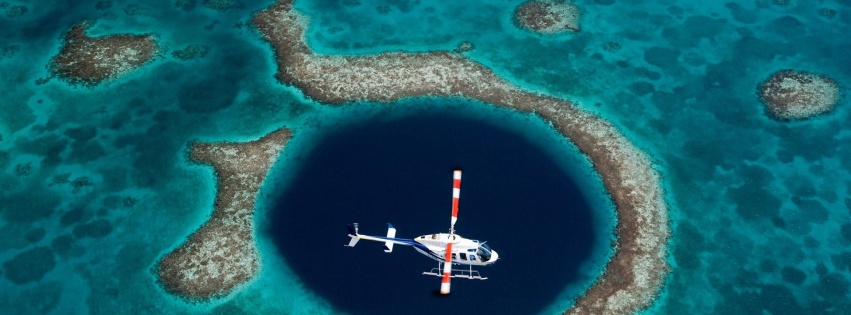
(95, 229)
(103, 5)
(207, 95)
(185, 5)
(547, 16)
(222, 253)
(222, 5)
(192, 51)
(793, 95)
(89, 60)
(15, 11)
(30, 265)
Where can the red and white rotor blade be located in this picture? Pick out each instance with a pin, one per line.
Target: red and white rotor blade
(456, 194)
(447, 270)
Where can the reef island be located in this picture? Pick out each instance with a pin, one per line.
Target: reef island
(89, 60)
(222, 254)
(547, 16)
(794, 95)
(633, 276)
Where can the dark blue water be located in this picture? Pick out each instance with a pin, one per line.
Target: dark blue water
(513, 195)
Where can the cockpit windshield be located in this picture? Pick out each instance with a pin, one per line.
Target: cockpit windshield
(484, 251)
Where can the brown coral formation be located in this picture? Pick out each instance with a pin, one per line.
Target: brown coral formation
(190, 52)
(547, 16)
(464, 47)
(638, 267)
(790, 95)
(222, 253)
(91, 60)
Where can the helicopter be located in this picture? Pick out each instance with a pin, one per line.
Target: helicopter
(446, 248)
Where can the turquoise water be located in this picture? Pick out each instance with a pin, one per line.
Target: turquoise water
(96, 185)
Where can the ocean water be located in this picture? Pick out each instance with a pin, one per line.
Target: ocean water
(520, 197)
(95, 185)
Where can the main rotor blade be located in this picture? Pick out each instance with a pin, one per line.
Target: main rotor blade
(447, 269)
(456, 194)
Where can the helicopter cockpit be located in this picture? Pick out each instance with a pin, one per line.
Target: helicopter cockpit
(484, 251)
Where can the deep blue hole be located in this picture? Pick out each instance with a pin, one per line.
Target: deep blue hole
(513, 195)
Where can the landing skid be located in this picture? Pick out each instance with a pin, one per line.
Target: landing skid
(465, 274)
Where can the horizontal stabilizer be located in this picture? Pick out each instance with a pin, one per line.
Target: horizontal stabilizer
(353, 233)
(391, 233)
(388, 241)
(353, 241)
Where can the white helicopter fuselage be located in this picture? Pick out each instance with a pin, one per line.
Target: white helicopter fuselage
(464, 251)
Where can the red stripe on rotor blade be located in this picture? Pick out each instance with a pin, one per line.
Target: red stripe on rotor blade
(445, 277)
(455, 207)
(456, 188)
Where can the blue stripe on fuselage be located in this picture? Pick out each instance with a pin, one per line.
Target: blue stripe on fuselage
(410, 242)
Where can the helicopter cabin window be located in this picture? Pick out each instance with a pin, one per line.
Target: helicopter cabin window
(464, 256)
(485, 252)
(472, 257)
(454, 256)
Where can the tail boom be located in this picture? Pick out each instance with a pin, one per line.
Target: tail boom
(389, 240)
